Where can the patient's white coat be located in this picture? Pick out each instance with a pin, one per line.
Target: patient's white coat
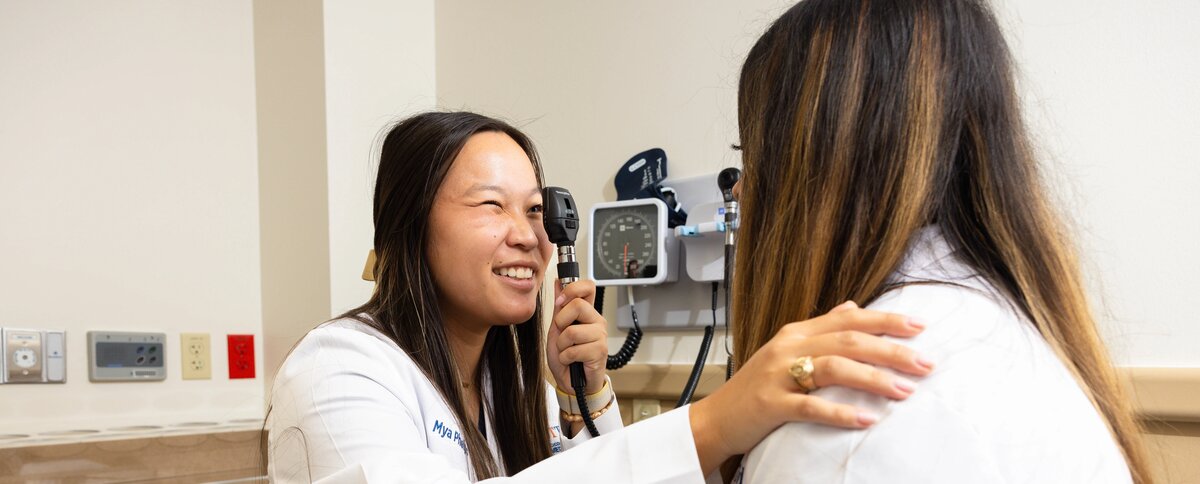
(999, 406)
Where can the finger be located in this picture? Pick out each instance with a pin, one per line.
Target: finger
(840, 371)
(848, 305)
(592, 355)
(863, 320)
(867, 349)
(583, 289)
(815, 409)
(577, 311)
(557, 294)
(581, 334)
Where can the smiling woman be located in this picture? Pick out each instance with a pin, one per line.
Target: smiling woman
(486, 238)
(438, 377)
(445, 298)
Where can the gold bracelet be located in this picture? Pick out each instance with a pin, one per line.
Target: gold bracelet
(574, 417)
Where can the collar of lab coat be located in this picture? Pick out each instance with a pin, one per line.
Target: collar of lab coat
(932, 259)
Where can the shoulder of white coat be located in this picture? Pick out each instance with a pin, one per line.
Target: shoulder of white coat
(922, 440)
(345, 346)
(954, 315)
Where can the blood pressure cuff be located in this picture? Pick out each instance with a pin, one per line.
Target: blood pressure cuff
(641, 177)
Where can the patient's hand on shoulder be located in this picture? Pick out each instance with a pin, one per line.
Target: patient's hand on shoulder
(844, 344)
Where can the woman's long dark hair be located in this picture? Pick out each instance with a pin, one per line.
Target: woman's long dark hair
(863, 121)
(416, 155)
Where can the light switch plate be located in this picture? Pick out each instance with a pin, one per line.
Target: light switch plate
(55, 351)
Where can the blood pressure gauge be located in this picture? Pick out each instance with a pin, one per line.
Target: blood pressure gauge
(631, 244)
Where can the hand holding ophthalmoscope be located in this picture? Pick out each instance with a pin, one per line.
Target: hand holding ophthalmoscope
(578, 332)
(586, 342)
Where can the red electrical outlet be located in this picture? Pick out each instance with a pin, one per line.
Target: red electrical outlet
(241, 355)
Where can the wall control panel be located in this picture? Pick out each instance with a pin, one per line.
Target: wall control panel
(122, 356)
(33, 356)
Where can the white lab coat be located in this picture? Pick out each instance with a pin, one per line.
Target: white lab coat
(349, 405)
(998, 407)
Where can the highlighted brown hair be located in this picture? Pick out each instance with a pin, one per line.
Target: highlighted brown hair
(863, 121)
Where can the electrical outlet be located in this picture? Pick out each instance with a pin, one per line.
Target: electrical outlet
(644, 409)
(195, 350)
(241, 355)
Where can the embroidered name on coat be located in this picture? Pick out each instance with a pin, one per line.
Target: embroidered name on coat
(444, 431)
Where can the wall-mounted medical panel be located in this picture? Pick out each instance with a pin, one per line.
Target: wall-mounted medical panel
(33, 356)
(123, 356)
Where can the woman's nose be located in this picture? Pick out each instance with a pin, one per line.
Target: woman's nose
(524, 233)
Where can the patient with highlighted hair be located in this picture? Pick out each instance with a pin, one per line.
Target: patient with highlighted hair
(885, 162)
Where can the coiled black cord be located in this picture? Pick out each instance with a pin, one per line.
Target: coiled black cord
(632, 339)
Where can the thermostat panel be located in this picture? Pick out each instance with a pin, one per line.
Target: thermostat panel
(118, 356)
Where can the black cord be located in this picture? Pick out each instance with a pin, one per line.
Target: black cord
(633, 338)
(728, 309)
(698, 368)
(579, 385)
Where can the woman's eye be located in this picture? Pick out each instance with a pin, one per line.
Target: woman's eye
(493, 202)
(535, 209)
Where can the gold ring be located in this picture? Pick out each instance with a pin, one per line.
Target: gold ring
(802, 372)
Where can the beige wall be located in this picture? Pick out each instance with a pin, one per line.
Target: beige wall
(290, 78)
(128, 198)
(1108, 85)
(331, 77)
(175, 168)
(379, 66)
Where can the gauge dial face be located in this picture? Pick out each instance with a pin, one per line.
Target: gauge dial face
(626, 242)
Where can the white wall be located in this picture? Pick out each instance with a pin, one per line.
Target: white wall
(1111, 93)
(379, 67)
(128, 198)
(1110, 90)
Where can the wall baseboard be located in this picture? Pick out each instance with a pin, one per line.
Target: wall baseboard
(202, 457)
(1171, 394)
